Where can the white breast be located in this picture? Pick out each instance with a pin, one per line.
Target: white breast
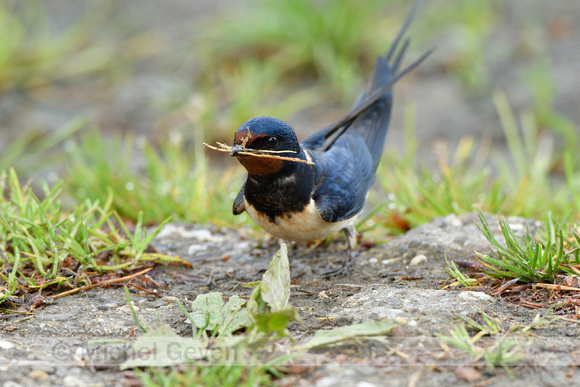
(300, 226)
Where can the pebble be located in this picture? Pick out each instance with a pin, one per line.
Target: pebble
(6, 344)
(11, 383)
(472, 296)
(61, 371)
(373, 260)
(192, 249)
(453, 220)
(73, 381)
(365, 384)
(327, 381)
(158, 304)
(102, 307)
(38, 375)
(167, 230)
(389, 261)
(468, 374)
(126, 308)
(418, 259)
(201, 235)
(322, 295)
(80, 352)
(516, 226)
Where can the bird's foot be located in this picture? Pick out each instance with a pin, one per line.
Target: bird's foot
(340, 271)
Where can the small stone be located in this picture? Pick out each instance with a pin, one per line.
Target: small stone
(341, 358)
(73, 381)
(61, 371)
(102, 307)
(343, 320)
(126, 308)
(158, 304)
(202, 235)
(418, 259)
(453, 220)
(169, 299)
(80, 352)
(473, 296)
(516, 226)
(390, 261)
(167, 230)
(6, 344)
(468, 374)
(192, 249)
(322, 295)
(365, 384)
(11, 383)
(47, 369)
(38, 375)
(327, 381)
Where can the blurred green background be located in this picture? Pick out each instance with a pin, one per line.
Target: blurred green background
(118, 96)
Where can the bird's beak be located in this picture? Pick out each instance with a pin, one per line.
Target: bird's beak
(236, 149)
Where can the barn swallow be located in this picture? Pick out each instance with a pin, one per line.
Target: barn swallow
(325, 186)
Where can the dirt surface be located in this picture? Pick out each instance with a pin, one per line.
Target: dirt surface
(400, 280)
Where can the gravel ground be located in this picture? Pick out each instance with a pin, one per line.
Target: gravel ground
(401, 280)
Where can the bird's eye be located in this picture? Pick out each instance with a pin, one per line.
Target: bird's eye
(272, 141)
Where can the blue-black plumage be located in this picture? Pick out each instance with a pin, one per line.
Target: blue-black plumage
(325, 191)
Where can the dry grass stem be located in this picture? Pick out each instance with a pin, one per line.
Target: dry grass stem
(105, 283)
(258, 153)
(556, 287)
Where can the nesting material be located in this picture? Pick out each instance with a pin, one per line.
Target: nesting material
(269, 154)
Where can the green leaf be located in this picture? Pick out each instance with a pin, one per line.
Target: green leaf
(276, 281)
(337, 335)
(163, 348)
(211, 313)
(276, 321)
(269, 305)
(256, 304)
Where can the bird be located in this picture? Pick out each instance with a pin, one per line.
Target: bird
(303, 191)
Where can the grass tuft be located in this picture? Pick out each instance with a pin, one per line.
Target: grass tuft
(527, 258)
(45, 247)
(503, 352)
(32, 54)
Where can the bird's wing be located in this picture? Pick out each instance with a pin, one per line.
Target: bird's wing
(239, 202)
(344, 174)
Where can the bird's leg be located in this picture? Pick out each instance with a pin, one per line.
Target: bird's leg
(342, 270)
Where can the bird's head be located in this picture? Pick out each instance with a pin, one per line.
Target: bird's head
(267, 136)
